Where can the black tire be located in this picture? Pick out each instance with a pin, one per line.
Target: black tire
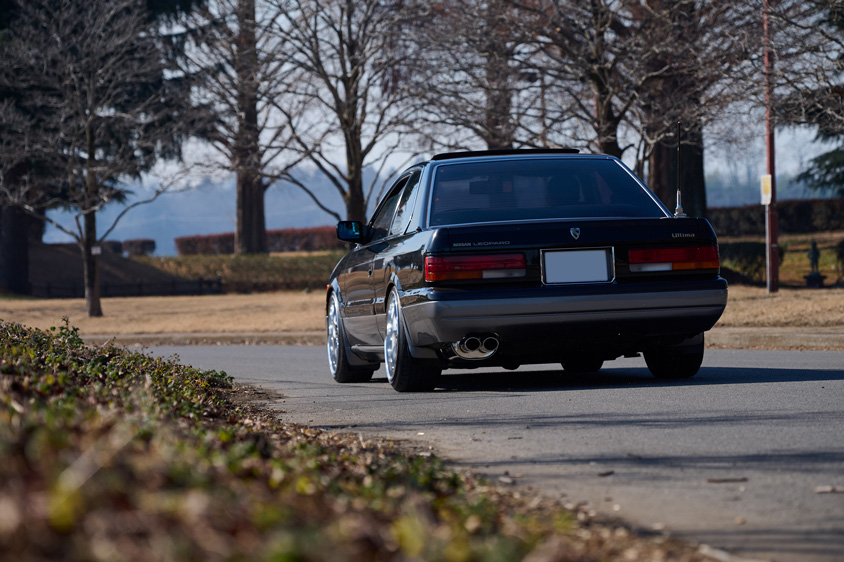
(579, 365)
(405, 373)
(338, 363)
(681, 361)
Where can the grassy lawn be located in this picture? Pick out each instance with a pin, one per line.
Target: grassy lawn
(304, 312)
(107, 454)
(788, 307)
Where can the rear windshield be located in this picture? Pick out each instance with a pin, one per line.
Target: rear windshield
(537, 189)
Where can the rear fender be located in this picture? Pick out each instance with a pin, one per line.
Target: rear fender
(415, 351)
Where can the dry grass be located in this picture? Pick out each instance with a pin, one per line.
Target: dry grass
(264, 312)
(303, 312)
(754, 307)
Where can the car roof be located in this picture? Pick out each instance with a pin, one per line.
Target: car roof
(502, 152)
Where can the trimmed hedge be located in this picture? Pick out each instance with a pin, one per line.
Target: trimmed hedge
(278, 240)
(139, 246)
(747, 258)
(795, 217)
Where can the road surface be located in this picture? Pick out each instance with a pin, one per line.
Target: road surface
(739, 457)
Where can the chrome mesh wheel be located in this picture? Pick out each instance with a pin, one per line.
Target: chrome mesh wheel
(391, 340)
(333, 341)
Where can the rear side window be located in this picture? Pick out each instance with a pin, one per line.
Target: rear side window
(404, 210)
(537, 189)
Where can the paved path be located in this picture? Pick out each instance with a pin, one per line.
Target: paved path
(734, 338)
(733, 458)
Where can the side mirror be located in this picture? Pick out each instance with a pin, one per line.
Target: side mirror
(350, 231)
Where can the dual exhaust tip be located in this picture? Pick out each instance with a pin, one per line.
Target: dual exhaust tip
(476, 347)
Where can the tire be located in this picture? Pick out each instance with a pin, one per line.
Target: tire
(681, 361)
(405, 373)
(338, 363)
(578, 365)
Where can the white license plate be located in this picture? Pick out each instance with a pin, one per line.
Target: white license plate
(577, 266)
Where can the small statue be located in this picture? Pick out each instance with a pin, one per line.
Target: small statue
(814, 256)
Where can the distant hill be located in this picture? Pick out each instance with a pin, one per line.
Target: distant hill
(210, 209)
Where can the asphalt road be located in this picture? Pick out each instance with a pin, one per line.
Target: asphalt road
(734, 458)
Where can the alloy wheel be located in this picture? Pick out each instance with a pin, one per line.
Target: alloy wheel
(391, 341)
(333, 340)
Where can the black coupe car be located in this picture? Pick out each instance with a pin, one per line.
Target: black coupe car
(508, 258)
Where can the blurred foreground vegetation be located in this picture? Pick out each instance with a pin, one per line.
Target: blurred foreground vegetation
(107, 454)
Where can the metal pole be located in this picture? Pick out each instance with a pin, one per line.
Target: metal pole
(771, 219)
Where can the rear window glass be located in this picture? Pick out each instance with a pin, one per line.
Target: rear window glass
(536, 189)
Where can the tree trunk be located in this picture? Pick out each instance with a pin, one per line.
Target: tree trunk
(251, 232)
(90, 265)
(691, 173)
(662, 173)
(355, 202)
(606, 122)
(662, 176)
(498, 126)
(91, 268)
(250, 229)
(14, 251)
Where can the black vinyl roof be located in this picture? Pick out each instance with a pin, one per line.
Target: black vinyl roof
(503, 152)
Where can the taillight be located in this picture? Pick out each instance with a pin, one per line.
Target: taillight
(674, 259)
(451, 268)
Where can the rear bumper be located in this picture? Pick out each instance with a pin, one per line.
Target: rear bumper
(568, 321)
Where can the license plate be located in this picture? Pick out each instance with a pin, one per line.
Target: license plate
(577, 266)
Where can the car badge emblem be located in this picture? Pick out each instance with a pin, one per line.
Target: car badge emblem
(575, 232)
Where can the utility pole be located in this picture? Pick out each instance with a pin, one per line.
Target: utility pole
(771, 219)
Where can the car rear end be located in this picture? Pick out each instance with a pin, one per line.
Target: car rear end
(535, 260)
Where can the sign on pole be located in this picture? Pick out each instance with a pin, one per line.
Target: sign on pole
(766, 189)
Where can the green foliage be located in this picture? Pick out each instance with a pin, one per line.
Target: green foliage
(254, 273)
(111, 454)
(826, 173)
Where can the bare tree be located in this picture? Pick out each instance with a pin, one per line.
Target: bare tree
(703, 67)
(350, 57)
(468, 82)
(807, 38)
(97, 109)
(629, 71)
(235, 50)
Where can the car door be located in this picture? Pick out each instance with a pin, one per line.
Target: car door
(359, 291)
(385, 261)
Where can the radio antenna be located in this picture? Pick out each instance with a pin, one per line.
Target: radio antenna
(678, 211)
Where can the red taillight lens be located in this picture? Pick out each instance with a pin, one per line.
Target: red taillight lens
(450, 268)
(674, 259)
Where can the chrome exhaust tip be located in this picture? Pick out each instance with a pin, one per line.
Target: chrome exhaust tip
(475, 347)
(470, 344)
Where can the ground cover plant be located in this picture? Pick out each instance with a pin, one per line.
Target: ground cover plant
(107, 454)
